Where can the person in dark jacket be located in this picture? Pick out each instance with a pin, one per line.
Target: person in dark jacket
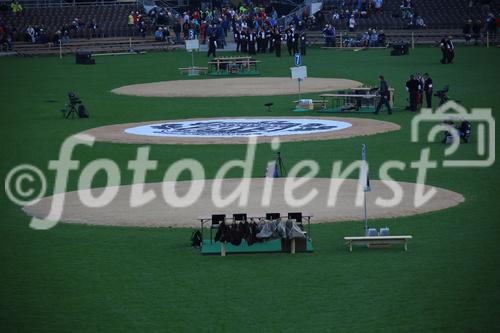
(269, 40)
(244, 41)
(251, 42)
(177, 31)
(383, 91)
(444, 51)
(237, 39)
(303, 43)
(413, 86)
(428, 89)
(450, 50)
(212, 45)
(289, 40)
(277, 42)
(295, 42)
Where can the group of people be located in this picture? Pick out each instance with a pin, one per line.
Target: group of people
(76, 29)
(370, 38)
(221, 21)
(136, 22)
(261, 41)
(351, 10)
(419, 87)
(472, 30)
(266, 39)
(254, 29)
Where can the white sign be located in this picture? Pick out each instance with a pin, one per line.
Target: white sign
(192, 44)
(239, 127)
(299, 72)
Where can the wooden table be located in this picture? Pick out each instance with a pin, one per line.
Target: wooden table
(348, 101)
(233, 65)
(205, 219)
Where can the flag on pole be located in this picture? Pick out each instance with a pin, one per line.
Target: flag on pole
(365, 178)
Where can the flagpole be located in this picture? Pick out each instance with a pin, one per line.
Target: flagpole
(366, 217)
(366, 185)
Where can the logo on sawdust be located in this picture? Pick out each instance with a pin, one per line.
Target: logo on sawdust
(239, 127)
(457, 126)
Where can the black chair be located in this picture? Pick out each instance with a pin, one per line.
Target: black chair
(216, 220)
(298, 219)
(239, 217)
(272, 216)
(295, 216)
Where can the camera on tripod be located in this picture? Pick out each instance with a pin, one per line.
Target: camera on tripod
(443, 97)
(71, 110)
(276, 169)
(73, 99)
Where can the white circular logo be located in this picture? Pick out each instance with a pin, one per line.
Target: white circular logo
(239, 127)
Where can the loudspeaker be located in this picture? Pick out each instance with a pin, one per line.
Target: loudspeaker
(399, 49)
(84, 58)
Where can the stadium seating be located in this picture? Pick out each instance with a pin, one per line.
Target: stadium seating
(437, 14)
(111, 19)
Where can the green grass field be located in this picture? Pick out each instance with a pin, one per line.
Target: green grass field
(85, 278)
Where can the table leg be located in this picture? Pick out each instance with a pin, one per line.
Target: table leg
(292, 246)
(350, 246)
(406, 245)
(222, 249)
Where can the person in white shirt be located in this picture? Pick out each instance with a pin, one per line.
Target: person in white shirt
(352, 24)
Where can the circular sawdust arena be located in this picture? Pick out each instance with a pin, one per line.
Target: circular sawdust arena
(344, 128)
(230, 87)
(160, 211)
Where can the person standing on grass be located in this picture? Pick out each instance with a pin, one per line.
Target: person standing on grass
(413, 86)
(277, 42)
(428, 89)
(444, 51)
(303, 43)
(450, 50)
(383, 91)
(212, 45)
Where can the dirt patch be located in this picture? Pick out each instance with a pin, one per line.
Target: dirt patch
(160, 213)
(251, 86)
(360, 127)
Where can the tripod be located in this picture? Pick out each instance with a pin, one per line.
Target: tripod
(280, 166)
(71, 107)
(71, 111)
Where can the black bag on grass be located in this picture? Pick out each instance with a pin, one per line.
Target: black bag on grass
(82, 112)
(196, 238)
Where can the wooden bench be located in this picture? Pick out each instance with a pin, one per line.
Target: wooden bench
(187, 70)
(377, 240)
